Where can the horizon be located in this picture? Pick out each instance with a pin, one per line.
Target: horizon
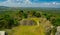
(31, 3)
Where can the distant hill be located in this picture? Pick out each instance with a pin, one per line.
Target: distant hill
(29, 8)
(3, 7)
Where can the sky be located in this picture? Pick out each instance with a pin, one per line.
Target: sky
(30, 3)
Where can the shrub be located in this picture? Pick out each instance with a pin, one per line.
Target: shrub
(8, 22)
(56, 22)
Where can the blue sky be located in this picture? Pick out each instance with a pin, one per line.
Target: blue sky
(30, 3)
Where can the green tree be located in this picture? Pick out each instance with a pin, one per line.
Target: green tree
(8, 22)
(56, 22)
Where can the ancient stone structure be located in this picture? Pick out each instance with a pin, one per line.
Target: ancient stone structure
(58, 31)
(2, 32)
(27, 22)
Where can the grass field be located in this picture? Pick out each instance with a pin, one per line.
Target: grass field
(28, 30)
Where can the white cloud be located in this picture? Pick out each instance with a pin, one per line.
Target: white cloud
(54, 3)
(46, 3)
(17, 0)
(57, 3)
(28, 3)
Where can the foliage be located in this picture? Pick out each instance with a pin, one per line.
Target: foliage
(56, 22)
(37, 14)
(7, 22)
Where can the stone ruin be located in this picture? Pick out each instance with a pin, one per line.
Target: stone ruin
(28, 22)
(58, 31)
